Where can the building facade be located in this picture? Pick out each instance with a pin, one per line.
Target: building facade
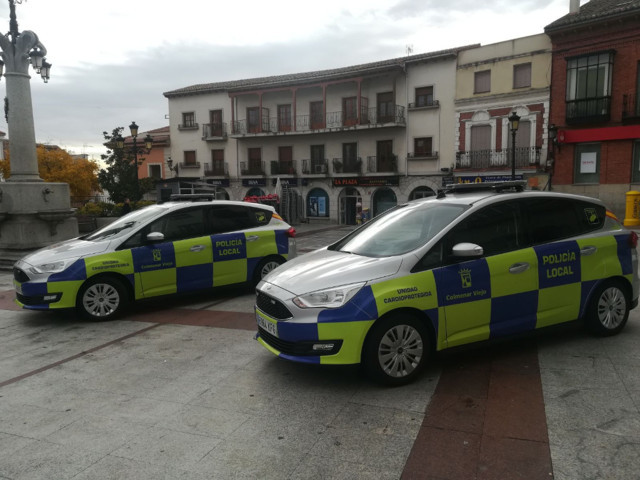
(336, 144)
(492, 82)
(594, 100)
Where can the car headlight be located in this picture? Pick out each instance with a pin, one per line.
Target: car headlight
(329, 298)
(52, 267)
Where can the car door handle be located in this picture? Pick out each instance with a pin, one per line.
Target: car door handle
(590, 250)
(253, 238)
(519, 267)
(197, 248)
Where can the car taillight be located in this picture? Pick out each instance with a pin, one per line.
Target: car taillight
(633, 239)
(291, 232)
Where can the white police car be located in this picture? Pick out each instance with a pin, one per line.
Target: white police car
(474, 263)
(162, 249)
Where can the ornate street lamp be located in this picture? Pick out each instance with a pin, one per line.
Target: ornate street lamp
(148, 144)
(514, 119)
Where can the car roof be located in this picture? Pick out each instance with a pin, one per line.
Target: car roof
(470, 194)
(184, 201)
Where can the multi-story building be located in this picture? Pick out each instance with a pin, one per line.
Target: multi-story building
(346, 141)
(595, 111)
(492, 82)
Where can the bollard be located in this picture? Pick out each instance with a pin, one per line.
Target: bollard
(632, 211)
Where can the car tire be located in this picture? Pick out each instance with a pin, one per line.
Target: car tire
(608, 309)
(396, 349)
(265, 267)
(101, 298)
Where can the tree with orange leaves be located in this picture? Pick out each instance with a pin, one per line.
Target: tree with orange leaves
(57, 165)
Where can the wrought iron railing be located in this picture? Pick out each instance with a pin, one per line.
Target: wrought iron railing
(588, 110)
(307, 123)
(279, 167)
(347, 165)
(630, 106)
(525, 157)
(383, 164)
(252, 168)
(216, 170)
(433, 103)
(315, 167)
(214, 130)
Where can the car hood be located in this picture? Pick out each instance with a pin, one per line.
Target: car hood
(75, 248)
(327, 268)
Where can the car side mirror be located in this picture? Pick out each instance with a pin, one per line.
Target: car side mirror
(155, 237)
(467, 250)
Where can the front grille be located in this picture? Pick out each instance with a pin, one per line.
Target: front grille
(272, 307)
(299, 349)
(20, 276)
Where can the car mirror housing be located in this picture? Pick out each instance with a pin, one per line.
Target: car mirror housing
(155, 237)
(467, 250)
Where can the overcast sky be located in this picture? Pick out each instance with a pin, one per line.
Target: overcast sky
(113, 60)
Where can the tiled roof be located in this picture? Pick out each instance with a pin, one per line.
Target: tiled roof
(308, 77)
(595, 10)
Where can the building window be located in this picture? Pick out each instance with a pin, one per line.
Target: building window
(424, 96)
(635, 176)
(215, 118)
(190, 158)
(482, 81)
(589, 87)
(217, 162)
(316, 110)
(189, 120)
(422, 147)
(386, 107)
(421, 192)
(349, 111)
(587, 163)
(155, 170)
(522, 75)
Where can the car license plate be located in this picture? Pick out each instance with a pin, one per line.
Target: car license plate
(18, 287)
(270, 327)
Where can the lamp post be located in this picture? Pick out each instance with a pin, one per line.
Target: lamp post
(148, 142)
(514, 119)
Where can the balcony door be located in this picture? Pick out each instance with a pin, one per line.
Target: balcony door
(255, 161)
(316, 111)
(215, 119)
(217, 162)
(384, 152)
(480, 153)
(284, 118)
(317, 159)
(285, 160)
(349, 111)
(386, 113)
(524, 152)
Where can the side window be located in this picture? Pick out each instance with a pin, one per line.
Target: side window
(180, 225)
(230, 218)
(495, 228)
(551, 219)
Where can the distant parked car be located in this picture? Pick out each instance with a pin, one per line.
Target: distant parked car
(161, 249)
(474, 263)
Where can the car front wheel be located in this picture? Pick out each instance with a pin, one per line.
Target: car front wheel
(608, 309)
(101, 298)
(396, 350)
(265, 267)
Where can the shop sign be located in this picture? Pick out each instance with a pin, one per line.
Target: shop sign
(366, 182)
(478, 179)
(254, 182)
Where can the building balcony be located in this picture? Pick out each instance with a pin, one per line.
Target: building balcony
(189, 165)
(349, 165)
(252, 168)
(303, 124)
(315, 167)
(424, 105)
(588, 110)
(526, 157)
(630, 107)
(279, 167)
(214, 131)
(422, 156)
(216, 170)
(386, 164)
(188, 126)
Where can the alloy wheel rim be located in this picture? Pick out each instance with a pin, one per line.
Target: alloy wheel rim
(101, 300)
(612, 307)
(400, 351)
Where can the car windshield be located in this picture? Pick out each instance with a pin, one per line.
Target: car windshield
(400, 230)
(125, 225)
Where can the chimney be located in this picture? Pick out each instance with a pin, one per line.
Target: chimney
(574, 6)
